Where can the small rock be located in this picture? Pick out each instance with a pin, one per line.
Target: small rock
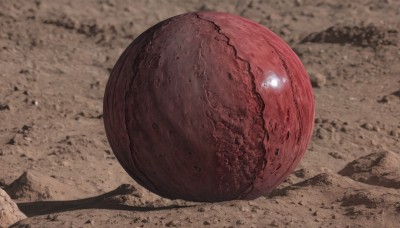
(52, 217)
(4, 107)
(368, 126)
(318, 120)
(391, 133)
(384, 99)
(173, 223)
(285, 32)
(376, 128)
(344, 129)
(274, 223)
(335, 155)
(322, 133)
(244, 209)
(91, 222)
(26, 128)
(317, 79)
(14, 140)
(146, 220)
(298, 2)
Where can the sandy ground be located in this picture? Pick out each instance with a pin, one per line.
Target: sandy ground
(55, 161)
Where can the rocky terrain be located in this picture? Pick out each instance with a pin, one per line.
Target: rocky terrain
(57, 169)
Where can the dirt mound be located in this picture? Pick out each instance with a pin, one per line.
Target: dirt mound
(33, 186)
(9, 212)
(130, 195)
(381, 169)
(125, 197)
(325, 185)
(357, 35)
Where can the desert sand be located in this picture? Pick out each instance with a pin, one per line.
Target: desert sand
(58, 168)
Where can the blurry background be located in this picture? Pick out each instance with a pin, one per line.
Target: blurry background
(56, 56)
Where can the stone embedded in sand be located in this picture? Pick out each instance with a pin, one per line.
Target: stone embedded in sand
(33, 186)
(209, 107)
(9, 212)
(317, 79)
(381, 168)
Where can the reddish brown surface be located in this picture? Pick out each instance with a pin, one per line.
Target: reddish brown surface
(209, 107)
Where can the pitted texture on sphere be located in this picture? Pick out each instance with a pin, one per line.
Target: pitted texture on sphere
(189, 114)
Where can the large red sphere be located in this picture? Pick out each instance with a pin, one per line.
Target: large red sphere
(209, 107)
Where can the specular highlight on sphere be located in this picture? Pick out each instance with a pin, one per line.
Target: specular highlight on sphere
(209, 107)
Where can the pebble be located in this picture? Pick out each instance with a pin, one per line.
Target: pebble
(13, 140)
(91, 222)
(244, 209)
(173, 223)
(274, 223)
(368, 126)
(393, 133)
(317, 80)
(385, 99)
(335, 155)
(322, 133)
(315, 213)
(4, 107)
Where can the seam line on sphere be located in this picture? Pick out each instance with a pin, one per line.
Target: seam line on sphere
(136, 63)
(289, 74)
(260, 101)
(201, 56)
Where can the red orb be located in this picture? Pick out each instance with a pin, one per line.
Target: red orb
(209, 107)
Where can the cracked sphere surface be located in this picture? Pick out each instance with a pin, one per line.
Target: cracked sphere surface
(210, 107)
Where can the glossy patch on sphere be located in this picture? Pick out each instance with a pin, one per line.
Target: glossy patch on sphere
(209, 107)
